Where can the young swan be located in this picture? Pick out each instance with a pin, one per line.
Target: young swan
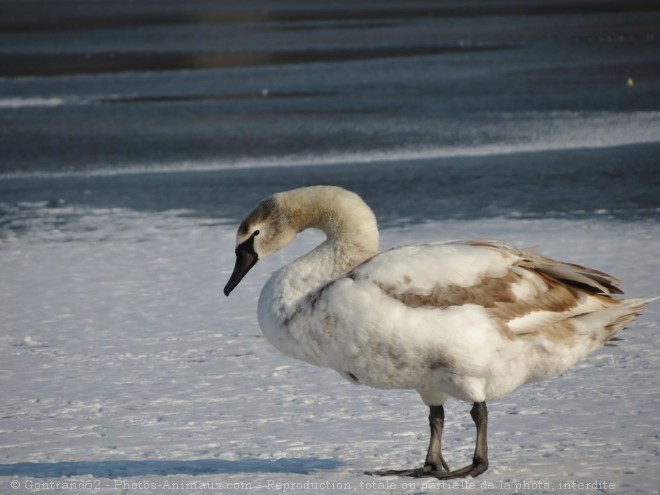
(471, 320)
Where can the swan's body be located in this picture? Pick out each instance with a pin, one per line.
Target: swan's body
(471, 320)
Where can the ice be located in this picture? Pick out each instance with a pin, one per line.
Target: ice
(30, 102)
(524, 133)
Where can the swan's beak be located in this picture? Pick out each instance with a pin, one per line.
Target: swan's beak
(245, 260)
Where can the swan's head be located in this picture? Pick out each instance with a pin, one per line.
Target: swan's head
(274, 223)
(267, 229)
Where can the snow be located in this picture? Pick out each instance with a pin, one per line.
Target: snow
(123, 367)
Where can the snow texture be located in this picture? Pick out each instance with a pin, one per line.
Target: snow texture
(122, 362)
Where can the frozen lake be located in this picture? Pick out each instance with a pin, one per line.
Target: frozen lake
(135, 135)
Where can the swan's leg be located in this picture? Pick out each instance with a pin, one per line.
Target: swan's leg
(479, 464)
(434, 461)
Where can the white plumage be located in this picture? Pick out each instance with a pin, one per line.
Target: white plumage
(471, 320)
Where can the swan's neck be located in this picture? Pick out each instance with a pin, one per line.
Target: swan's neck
(349, 224)
(352, 237)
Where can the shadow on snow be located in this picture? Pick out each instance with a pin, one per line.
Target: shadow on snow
(126, 468)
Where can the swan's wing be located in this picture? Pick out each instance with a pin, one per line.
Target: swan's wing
(522, 290)
(578, 276)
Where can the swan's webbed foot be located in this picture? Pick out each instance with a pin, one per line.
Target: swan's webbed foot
(396, 472)
(427, 470)
(474, 469)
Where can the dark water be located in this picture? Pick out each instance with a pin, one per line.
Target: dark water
(199, 87)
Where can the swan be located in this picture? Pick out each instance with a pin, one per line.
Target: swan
(472, 320)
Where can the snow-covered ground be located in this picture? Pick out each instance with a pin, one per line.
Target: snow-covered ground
(125, 370)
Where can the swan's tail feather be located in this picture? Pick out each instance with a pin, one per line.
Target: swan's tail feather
(612, 320)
